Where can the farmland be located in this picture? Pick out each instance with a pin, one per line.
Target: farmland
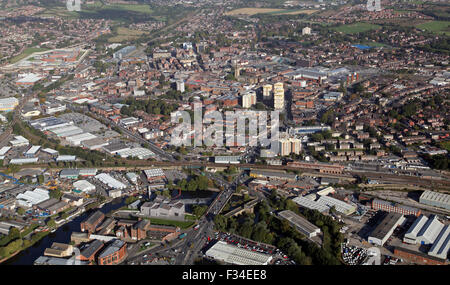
(356, 28)
(254, 11)
(438, 27)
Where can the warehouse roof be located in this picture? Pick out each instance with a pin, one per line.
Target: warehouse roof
(386, 225)
(435, 197)
(442, 244)
(111, 182)
(235, 255)
(299, 222)
(310, 204)
(113, 247)
(339, 205)
(155, 172)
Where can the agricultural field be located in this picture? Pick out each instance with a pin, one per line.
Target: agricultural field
(26, 53)
(140, 8)
(356, 28)
(125, 34)
(254, 11)
(438, 27)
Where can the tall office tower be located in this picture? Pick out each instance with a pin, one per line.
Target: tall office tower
(248, 99)
(278, 96)
(267, 91)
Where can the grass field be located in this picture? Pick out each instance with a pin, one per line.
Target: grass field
(180, 224)
(438, 27)
(356, 28)
(26, 53)
(125, 34)
(141, 8)
(272, 11)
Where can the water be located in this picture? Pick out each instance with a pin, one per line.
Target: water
(62, 235)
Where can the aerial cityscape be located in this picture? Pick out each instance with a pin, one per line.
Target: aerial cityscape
(225, 132)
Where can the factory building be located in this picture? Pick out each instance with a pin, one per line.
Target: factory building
(442, 244)
(155, 174)
(31, 198)
(83, 186)
(385, 229)
(114, 253)
(8, 104)
(424, 230)
(234, 255)
(111, 182)
(23, 160)
(435, 199)
(386, 206)
(227, 159)
(268, 174)
(310, 204)
(301, 224)
(340, 206)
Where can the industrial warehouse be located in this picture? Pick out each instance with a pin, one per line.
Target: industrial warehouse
(385, 229)
(234, 255)
(301, 224)
(435, 199)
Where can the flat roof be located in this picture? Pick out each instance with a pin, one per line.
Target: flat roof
(235, 255)
(386, 225)
(299, 222)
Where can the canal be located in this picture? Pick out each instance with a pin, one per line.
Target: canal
(62, 235)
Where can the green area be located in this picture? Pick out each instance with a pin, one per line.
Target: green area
(180, 224)
(356, 28)
(262, 226)
(438, 27)
(25, 53)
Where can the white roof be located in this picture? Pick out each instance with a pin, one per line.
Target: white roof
(139, 152)
(310, 204)
(33, 149)
(8, 102)
(111, 182)
(66, 158)
(67, 131)
(235, 255)
(83, 185)
(442, 244)
(340, 206)
(34, 197)
(76, 139)
(4, 150)
(414, 229)
(29, 78)
(23, 160)
(50, 151)
(154, 172)
(435, 197)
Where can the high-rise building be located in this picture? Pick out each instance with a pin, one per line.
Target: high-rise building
(267, 91)
(289, 145)
(306, 31)
(278, 96)
(180, 85)
(248, 99)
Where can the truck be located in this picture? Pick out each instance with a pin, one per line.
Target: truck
(196, 227)
(181, 236)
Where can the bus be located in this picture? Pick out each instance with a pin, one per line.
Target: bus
(196, 227)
